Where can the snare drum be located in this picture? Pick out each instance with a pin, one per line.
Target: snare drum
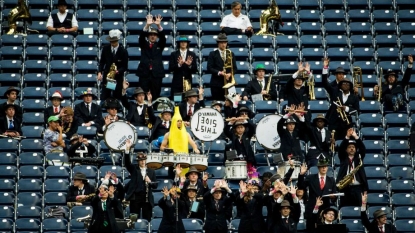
(200, 162)
(117, 133)
(183, 159)
(168, 160)
(267, 133)
(154, 160)
(236, 170)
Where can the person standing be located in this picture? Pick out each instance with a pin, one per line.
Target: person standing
(139, 113)
(150, 69)
(249, 203)
(216, 66)
(183, 64)
(139, 191)
(171, 223)
(62, 22)
(193, 206)
(320, 140)
(112, 54)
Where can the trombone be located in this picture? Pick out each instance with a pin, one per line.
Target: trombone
(341, 112)
(358, 81)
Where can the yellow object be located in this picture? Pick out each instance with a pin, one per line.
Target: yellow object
(178, 138)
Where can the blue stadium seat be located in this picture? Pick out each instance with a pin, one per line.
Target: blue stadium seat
(35, 79)
(311, 41)
(372, 133)
(335, 28)
(112, 14)
(401, 186)
(309, 15)
(11, 52)
(86, 15)
(193, 225)
(369, 107)
(397, 146)
(132, 65)
(397, 133)
(234, 225)
(80, 211)
(349, 212)
(385, 28)
(375, 172)
(10, 66)
(378, 186)
(338, 54)
(6, 214)
(371, 119)
(61, 80)
(362, 53)
(87, 131)
(289, 28)
(9, 145)
(34, 92)
(64, 208)
(28, 212)
(54, 224)
(404, 212)
(374, 160)
(111, 158)
(58, 172)
(86, 66)
(403, 199)
(8, 171)
(401, 172)
(386, 40)
(287, 53)
(86, 40)
(7, 185)
(396, 120)
(31, 171)
(85, 80)
(10, 79)
(216, 159)
(361, 40)
(263, 169)
(354, 225)
(28, 224)
(7, 198)
(31, 145)
(7, 158)
(312, 53)
(266, 106)
(393, 65)
(336, 40)
(155, 223)
(217, 146)
(91, 172)
(334, 15)
(406, 27)
(54, 156)
(56, 185)
(55, 198)
(318, 106)
(404, 225)
(33, 131)
(116, 169)
(77, 227)
(29, 185)
(380, 199)
(218, 172)
(140, 4)
(29, 199)
(387, 54)
(12, 39)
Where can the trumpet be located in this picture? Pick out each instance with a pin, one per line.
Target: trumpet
(228, 66)
(341, 112)
(332, 145)
(358, 81)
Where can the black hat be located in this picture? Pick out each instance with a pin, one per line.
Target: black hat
(348, 142)
(153, 31)
(9, 90)
(345, 80)
(217, 102)
(266, 175)
(88, 91)
(111, 103)
(10, 105)
(141, 156)
(192, 169)
(390, 72)
(222, 38)
(190, 93)
(79, 176)
(339, 70)
(138, 90)
(336, 212)
(245, 109)
(62, 3)
(167, 110)
(320, 117)
(191, 187)
(290, 120)
(322, 161)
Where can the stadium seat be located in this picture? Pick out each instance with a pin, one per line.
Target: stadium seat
(77, 227)
(369, 107)
(349, 212)
(6, 214)
(218, 172)
(140, 226)
(8, 171)
(30, 185)
(55, 224)
(401, 172)
(379, 186)
(28, 212)
(262, 169)
(55, 198)
(335, 28)
(58, 172)
(399, 160)
(7, 198)
(80, 211)
(7, 185)
(155, 223)
(380, 199)
(234, 225)
(354, 225)
(31, 145)
(402, 186)
(115, 169)
(371, 119)
(56, 156)
(397, 146)
(397, 133)
(373, 172)
(404, 212)
(56, 185)
(28, 224)
(193, 225)
(374, 160)
(33, 131)
(403, 199)
(7, 158)
(30, 171)
(266, 106)
(10, 79)
(338, 54)
(372, 133)
(86, 66)
(91, 172)
(29, 199)
(334, 15)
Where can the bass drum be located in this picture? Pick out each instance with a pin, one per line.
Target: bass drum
(207, 124)
(267, 133)
(117, 133)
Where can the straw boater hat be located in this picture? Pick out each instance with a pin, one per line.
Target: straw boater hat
(10, 89)
(114, 35)
(79, 176)
(320, 117)
(222, 38)
(57, 95)
(190, 93)
(138, 90)
(339, 70)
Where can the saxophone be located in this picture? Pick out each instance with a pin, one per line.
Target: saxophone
(21, 11)
(268, 95)
(348, 179)
(147, 119)
(228, 66)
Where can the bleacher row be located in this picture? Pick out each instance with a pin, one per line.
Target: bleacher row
(365, 33)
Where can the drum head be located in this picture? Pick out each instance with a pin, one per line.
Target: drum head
(117, 133)
(207, 124)
(267, 133)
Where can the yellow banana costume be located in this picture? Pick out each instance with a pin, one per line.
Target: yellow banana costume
(178, 138)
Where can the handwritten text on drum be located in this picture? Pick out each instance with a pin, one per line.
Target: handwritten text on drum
(208, 125)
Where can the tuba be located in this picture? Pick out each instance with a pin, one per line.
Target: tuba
(271, 13)
(21, 11)
(228, 67)
(349, 178)
(358, 81)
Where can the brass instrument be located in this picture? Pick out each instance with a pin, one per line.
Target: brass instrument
(113, 71)
(147, 119)
(21, 11)
(268, 87)
(341, 112)
(228, 66)
(310, 83)
(379, 94)
(272, 13)
(186, 84)
(86, 198)
(349, 178)
(332, 145)
(358, 81)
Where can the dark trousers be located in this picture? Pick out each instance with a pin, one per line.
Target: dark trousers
(218, 93)
(140, 207)
(106, 93)
(51, 33)
(352, 196)
(152, 84)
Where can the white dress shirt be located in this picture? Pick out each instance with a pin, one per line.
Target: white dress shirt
(140, 109)
(323, 134)
(61, 18)
(240, 22)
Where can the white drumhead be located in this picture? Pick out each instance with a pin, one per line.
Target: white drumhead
(207, 124)
(117, 134)
(267, 133)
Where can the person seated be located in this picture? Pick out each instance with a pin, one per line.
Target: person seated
(56, 108)
(139, 113)
(191, 105)
(88, 113)
(69, 122)
(11, 96)
(81, 191)
(62, 22)
(80, 147)
(236, 23)
(193, 207)
(10, 125)
(393, 91)
(161, 126)
(259, 85)
(53, 136)
(112, 106)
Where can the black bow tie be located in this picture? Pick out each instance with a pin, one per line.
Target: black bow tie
(140, 106)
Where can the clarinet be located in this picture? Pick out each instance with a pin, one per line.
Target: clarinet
(146, 187)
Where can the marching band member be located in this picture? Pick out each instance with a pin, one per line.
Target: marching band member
(11, 95)
(215, 66)
(240, 133)
(183, 64)
(69, 122)
(191, 105)
(218, 207)
(270, 200)
(290, 136)
(346, 102)
(138, 111)
(393, 91)
(168, 204)
(236, 23)
(249, 203)
(230, 108)
(161, 126)
(320, 140)
(259, 85)
(56, 108)
(104, 207)
(80, 147)
(351, 152)
(287, 216)
(112, 106)
(10, 125)
(88, 113)
(318, 185)
(116, 54)
(302, 200)
(339, 73)
(191, 179)
(193, 206)
(150, 69)
(379, 224)
(139, 191)
(80, 190)
(327, 216)
(52, 137)
(62, 22)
